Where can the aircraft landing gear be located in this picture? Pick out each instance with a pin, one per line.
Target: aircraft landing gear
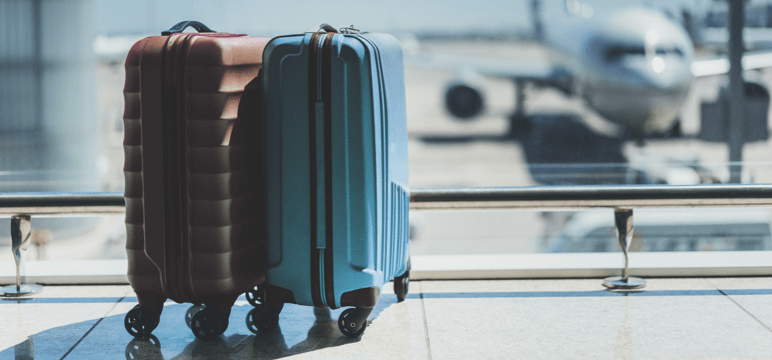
(519, 123)
(675, 130)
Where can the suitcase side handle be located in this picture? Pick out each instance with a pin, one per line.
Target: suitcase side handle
(182, 25)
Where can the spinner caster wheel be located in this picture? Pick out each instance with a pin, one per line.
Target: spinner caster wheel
(261, 321)
(250, 320)
(208, 324)
(140, 322)
(256, 296)
(192, 311)
(401, 284)
(349, 325)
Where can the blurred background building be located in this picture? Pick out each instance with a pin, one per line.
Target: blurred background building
(49, 138)
(48, 111)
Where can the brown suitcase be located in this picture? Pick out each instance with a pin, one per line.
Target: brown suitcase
(194, 203)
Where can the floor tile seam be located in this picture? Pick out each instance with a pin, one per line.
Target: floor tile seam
(92, 328)
(426, 324)
(741, 307)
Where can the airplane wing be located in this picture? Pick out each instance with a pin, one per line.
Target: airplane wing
(539, 72)
(718, 66)
(483, 66)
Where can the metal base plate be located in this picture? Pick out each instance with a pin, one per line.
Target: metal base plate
(25, 290)
(616, 282)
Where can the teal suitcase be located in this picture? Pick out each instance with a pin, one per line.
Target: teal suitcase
(337, 173)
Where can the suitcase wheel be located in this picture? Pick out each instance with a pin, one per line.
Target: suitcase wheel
(192, 311)
(353, 322)
(255, 296)
(260, 320)
(208, 324)
(401, 284)
(140, 322)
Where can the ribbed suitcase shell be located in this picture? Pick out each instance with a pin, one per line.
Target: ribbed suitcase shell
(368, 162)
(212, 247)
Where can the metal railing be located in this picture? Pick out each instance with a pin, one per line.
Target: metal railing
(530, 197)
(62, 204)
(588, 196)
(622, 198)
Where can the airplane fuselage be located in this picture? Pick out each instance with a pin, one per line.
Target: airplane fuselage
(632, 66)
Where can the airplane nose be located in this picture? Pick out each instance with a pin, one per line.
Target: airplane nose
(658, 65)
(664, 74)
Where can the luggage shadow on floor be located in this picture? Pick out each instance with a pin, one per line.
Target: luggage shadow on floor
(301, 329)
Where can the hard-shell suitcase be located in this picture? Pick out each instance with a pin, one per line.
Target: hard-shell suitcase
(337, 175)
(194, 193)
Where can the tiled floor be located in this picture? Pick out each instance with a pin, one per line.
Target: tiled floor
(526, 319)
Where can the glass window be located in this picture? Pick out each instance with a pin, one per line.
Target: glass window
(499, 93)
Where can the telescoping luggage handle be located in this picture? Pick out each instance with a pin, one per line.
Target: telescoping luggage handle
(182, 25)
(324, 27)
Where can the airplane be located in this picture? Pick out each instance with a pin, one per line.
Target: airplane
(633, 66)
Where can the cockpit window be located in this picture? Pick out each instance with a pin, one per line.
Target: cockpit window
(670, 51)
(617, 52)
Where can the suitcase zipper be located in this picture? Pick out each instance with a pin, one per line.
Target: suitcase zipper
(186, 282)
(327, 273)
(320, 144)
(175, 161)
(317, 256)
(168, 119)
(321, 165)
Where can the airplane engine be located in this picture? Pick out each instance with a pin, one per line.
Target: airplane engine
(464, 100)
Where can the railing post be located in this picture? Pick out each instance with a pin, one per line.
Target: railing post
(623, 219)
(20, 241)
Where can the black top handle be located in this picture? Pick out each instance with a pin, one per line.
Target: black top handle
(321, 27)
(182, 25)
(327, 28)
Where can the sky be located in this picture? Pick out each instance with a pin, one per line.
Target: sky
(269, 18)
